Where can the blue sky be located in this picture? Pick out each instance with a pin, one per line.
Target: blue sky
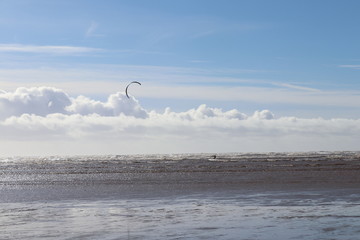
(294, 58)
(300, 43)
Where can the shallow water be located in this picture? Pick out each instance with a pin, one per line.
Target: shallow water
(234, 196)
(191, 217)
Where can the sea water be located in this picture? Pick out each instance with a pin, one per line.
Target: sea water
(185, 196)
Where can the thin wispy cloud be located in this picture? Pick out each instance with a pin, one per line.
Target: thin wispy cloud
(350, 66)
(297, 87)
(106, 72)
(92, 30)
(46, 49)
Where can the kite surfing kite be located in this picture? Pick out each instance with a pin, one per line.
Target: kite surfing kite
(126, 90)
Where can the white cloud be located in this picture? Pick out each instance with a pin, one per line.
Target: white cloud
(39, 101)
(42, 101)
(119, 124)
(116, 104)
(265, 114)
(49, 49)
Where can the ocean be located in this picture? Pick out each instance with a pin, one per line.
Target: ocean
(313, 195)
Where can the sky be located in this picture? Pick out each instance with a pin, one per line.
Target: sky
(216, 76)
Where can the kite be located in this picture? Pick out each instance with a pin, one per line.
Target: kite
(126, 90)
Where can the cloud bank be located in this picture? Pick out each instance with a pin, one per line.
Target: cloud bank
(43, 101)
(46, 114)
